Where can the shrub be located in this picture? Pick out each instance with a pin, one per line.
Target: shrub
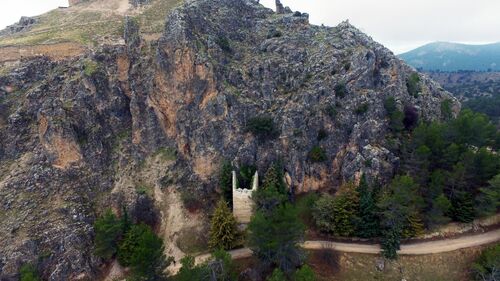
(413, 84)
(361, 109)
(331, 111)
(337, 215)
(277, 275)
(224, 232)
(390, 105)
(90, 67)
(396, 121)
(340, 90)
(142, 250)
(317, 154)
(223, 43)
(446, 111)
(305, 273)
(410, 120)
(108, 230)
(28, 273)
(322, 134)
(487, 266)
(262, 126)
(274, 237)
(245, 176)
(190, 200)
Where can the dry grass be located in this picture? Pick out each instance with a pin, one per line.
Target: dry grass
(91, 24)
(452, 266)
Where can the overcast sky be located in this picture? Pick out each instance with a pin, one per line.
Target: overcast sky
(400, 25)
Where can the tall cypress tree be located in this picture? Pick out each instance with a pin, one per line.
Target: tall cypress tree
(224, 232)
(368, 225)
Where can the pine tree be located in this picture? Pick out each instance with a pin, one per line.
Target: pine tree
(226, 182)
(488, 200)
(368, 224)
(400, 207)
(463, 207)
(224, 232)
(305, 273)
(274, 238)
(339, 214)
(28, 272)
(107, 232)
(277, 275)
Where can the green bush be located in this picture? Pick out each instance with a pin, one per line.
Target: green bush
(142, 251)
(108, 230)
(90, 67)
(317, 154)
(413, 84)
(390, 105)
(262, 126)
(277, 275)
(223, 43)
(340, 89)
(322, 134)
(331, 111)
(305, 273)
(337, 215)
(446, 111)
(28, 273)
(361, 109)
(487, 266)
(274, 237)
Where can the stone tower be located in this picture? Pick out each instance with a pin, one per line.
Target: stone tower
(242, 199)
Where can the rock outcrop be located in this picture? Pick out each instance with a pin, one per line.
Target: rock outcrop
(80, 135)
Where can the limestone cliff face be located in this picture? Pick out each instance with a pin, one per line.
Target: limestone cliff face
(81, 134)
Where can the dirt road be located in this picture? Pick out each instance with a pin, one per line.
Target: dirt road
(419, 248)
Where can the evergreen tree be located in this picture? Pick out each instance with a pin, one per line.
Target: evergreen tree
(226, 181)
(220, 267)
(108, 230)
(487, 266)
(274, 237)
(339, 214)
(273, 192)
(142, 250)
(463, 207)
(305, 273)
(190, 272)
(277, 275)
(488, 201)
(224, 232)
(368, 224)
(28, 273)
(400, 207)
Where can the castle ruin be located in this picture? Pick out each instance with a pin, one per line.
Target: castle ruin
(242, 199)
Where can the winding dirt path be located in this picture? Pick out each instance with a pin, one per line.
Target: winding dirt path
(419, 248)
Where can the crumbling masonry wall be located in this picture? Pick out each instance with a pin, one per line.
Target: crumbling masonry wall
(242, 199)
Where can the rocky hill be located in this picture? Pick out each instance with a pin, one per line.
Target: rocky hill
(154, 118)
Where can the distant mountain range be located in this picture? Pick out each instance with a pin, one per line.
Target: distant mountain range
(445, 56)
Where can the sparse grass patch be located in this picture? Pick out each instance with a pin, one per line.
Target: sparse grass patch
(167, 153)
(317, 154)
(90, 67)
